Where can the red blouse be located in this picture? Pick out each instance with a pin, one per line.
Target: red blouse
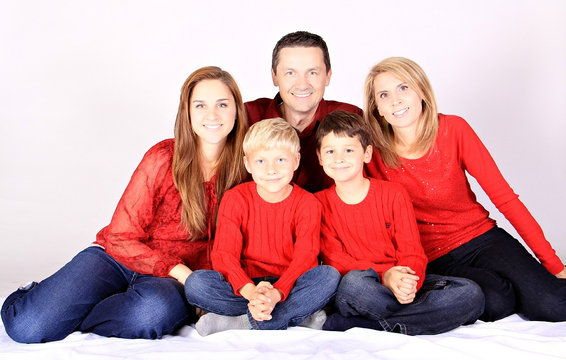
(447, 211)
(146, 234)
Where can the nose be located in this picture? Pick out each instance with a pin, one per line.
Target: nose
(338, 159)
(271, 169)
(396, 99)
(302, 82)
(211, 113)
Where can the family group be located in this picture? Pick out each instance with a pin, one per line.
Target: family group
(300, 211)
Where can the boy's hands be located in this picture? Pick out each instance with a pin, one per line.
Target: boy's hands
(402, 282)
(262, 299)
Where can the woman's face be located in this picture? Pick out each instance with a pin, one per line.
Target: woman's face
(400, 105)
(212, 111)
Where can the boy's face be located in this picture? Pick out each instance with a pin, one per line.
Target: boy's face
(343, 157)
(272, 171)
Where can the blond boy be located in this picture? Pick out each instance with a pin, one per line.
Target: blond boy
(266, 273)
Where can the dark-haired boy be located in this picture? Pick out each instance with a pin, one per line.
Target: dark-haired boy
(369, 234)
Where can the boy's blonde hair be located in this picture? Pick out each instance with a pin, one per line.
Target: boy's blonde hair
(271, 134)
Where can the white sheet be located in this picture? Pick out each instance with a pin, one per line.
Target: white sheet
(510, 338)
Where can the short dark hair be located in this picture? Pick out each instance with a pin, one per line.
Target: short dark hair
(343, 123)
(300, 39)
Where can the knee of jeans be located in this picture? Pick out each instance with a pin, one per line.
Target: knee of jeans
(358, 280)
(550, 306)
(332, 275)
(498, 304)
(29, 328)
(160, 313)
(197, 283)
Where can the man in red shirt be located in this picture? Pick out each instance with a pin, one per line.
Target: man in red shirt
(300, 68)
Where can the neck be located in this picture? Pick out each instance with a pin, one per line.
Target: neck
(300, 121)
(405, 140)
(353, 191)
(209, 159)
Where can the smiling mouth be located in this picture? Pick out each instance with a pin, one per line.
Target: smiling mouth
(302, 95)
(400, 112)
(213, 127)
(340, 168)
(272, 180)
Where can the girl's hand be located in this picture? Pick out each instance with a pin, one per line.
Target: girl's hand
(562, 274)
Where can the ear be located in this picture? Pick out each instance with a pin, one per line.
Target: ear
(274, 78)
(328, 77)
(368, 154)
(247, 165)
(297, 161)
(319, 158)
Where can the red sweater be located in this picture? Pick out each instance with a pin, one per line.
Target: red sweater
(379, 232)
(145, 233)
(256, 238)
(310, 175)
(448, 214)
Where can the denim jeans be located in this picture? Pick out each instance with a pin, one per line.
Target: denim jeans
(510, 277)
(442, 304)
(208, 290)
(95, 293)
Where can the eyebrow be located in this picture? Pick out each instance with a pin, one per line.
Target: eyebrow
(396, 87)
(219, 100)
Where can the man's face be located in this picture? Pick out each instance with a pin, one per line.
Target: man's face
(301, 77)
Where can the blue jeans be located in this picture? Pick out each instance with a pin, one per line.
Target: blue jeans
(510, 277)
(442, 304)
(95, 293)
(208, 290)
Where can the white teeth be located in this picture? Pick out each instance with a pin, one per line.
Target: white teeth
(212, 127)
(302, 95)
(400, 112)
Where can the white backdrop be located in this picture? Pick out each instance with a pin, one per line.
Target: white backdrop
(86, 87)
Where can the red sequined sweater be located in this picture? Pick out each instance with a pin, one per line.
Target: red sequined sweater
(310, 175)
(448, 214)
(378, 233)
(256, 238)
(145, 233)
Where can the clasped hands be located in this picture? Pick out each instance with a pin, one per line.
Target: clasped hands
(402, 282)
(262, 299)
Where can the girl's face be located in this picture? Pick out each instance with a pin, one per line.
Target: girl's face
(212, 110)
(400, 105)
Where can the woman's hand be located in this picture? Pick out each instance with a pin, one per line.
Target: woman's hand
(562, 274)
(180, 272)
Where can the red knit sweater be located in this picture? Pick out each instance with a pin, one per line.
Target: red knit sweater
(310, 175)
(146, 234)
(255, 238)
(447, 212)
(379, 232)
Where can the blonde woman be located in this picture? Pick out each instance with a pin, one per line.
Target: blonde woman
(429, 154)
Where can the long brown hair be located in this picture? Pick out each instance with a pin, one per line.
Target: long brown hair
(384, 137)
(188, 172)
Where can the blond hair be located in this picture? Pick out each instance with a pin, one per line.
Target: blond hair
(188, 174)
(271, 134)
(413, 75)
